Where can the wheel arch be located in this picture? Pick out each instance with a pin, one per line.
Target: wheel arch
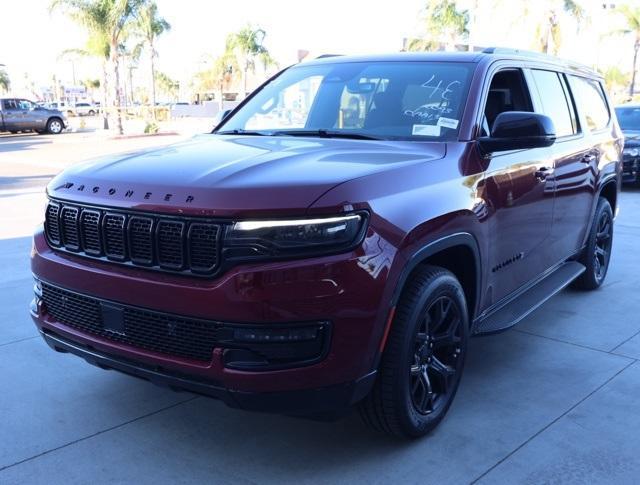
(458, 253)
(609, 190)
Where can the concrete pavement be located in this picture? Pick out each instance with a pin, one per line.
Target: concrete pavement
(554, 400)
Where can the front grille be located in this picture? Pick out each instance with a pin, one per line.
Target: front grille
(186, 245)
(158, 332)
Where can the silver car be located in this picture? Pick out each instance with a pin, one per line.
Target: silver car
(23, 115)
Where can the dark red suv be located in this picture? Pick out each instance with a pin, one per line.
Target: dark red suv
(340, 235)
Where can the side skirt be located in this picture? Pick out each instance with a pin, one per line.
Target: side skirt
(524, 303)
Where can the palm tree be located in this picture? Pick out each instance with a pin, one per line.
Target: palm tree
(149, 27)
(108, 21)
(218, 76)
(443, 23)
(246, 45)
(97, 46)
(167, 85)
(5, 83)
(632, 18)
(548, 31)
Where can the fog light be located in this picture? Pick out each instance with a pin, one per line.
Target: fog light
(275, 335)
(37, 288)
(270, 347)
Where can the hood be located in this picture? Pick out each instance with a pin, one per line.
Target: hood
(219, 175)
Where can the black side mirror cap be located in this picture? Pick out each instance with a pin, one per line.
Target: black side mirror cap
(517, 130)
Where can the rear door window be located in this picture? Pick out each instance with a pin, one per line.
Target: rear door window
(554, 101)
(591, 101)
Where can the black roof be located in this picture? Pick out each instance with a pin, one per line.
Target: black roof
(495, 53)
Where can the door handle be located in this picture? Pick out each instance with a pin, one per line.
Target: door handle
(543, 172)
(590, 158)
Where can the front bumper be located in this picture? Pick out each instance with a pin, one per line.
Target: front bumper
(333, 399)
(631, 170)
(347, 290)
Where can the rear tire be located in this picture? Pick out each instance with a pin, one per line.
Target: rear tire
(55, 126)
(597, 254)
(424, 356)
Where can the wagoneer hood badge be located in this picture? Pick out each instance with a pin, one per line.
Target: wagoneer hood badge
(222, 175)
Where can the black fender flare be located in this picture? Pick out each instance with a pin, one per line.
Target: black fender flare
(434, 247)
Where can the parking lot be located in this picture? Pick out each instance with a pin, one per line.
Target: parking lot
(554, 400)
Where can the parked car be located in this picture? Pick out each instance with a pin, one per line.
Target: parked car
(85, 109)
(629, 119)
(289, 263)
(60, 106)
(23, 115)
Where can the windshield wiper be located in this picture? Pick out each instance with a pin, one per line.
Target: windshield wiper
(325, 134)
(242, 132)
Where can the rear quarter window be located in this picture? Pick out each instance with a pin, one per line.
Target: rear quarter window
(590, 101)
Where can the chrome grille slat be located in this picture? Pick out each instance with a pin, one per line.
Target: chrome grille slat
(174, 244)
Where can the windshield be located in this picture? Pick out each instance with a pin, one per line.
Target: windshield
(629, 118)
(381, 100)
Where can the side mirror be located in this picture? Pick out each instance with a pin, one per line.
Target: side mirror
(221, 115)
(517, 130)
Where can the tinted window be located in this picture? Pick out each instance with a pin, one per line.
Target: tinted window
(25, 105)
(394, 100)
(508, 92)
(554, 102)
(590, 100)
(9, 104)
(629, 118)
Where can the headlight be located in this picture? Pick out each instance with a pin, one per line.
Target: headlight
(294, 238)
(632, 152)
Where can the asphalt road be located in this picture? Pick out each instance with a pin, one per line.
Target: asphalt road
(554, 400)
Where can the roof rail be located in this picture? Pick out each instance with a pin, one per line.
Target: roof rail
(323, 56)
(539, 55)
(518, 52)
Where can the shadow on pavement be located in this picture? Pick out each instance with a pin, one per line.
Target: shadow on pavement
(18, 142)
(24, 181)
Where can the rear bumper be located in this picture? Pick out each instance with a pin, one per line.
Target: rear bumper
(331, 399)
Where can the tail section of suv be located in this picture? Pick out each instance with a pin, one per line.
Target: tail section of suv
(340, 235)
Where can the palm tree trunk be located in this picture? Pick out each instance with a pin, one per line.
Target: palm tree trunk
(105, 91)
(636, 47)
(116, 87)
(153, 80)
(244, 79)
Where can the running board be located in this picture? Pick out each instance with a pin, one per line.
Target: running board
(531, 299)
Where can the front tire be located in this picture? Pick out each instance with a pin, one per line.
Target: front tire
(424, 356)
(597, 254)
(55, 126)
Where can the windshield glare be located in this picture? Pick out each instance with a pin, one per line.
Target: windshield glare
(386, 100)
(629, 118)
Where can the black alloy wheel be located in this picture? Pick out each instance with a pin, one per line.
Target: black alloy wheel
(436, 357)
(596, 255)
(423, 358)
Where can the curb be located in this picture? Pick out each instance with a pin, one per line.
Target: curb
(143, 135)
